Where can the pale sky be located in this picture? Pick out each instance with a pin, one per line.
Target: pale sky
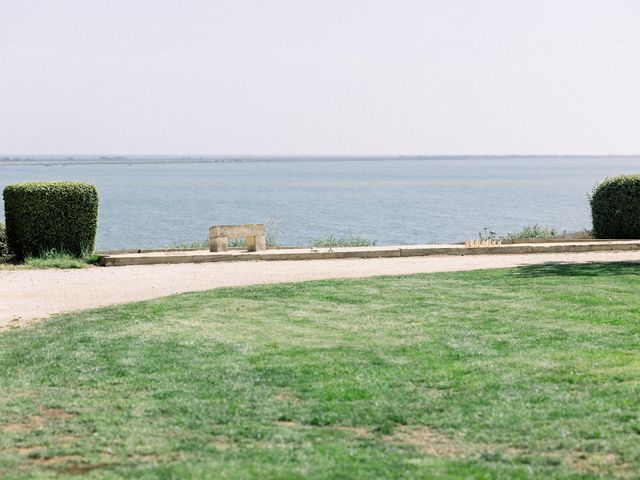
(319, 77)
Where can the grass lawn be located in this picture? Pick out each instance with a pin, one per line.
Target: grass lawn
(521, 373)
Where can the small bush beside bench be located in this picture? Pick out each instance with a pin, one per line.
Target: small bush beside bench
(615, 207)
(46, 216)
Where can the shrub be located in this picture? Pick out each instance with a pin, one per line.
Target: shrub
(615, 207)
(4, 249)
(535, 231)
(45, 216)
(349, 241)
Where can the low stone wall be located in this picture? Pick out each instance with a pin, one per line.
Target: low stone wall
(200, 256)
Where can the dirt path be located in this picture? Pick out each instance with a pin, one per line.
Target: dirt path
(26, 295)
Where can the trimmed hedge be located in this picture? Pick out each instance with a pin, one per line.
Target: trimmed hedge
(45, 216)
(615, 207)
(4, 249)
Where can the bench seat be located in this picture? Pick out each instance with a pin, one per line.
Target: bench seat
(253, 232)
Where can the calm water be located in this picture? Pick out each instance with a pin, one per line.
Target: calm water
(393, 201)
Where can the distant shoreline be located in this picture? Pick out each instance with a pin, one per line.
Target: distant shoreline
(48, 160)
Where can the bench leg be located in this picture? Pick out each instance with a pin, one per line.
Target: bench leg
(256, 243)
(219, 244)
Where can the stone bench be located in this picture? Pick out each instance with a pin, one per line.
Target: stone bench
(254, 233)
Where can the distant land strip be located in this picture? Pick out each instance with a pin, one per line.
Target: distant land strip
(46, 160)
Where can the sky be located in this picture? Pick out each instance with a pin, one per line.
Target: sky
(305, 77)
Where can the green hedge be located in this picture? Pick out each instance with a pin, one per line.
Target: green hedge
(4, 249)
(45, 216)
(615, 207)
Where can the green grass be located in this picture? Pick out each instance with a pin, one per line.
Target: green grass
(538, 232)
(61, 260)
(535, 231)
(183, 244)
(50, 259)
(522, 373)
(204, 244)
(332, 241)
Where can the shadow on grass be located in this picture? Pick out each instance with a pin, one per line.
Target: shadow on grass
(558, 269)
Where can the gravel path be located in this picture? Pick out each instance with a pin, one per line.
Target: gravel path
(27, 295)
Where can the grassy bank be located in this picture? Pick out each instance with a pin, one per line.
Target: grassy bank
(522, 373)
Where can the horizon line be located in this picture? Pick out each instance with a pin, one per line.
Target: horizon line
(4, 156)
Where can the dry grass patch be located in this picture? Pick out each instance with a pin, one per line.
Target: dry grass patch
(36, 421)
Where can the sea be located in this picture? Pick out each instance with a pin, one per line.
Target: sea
(161, 201)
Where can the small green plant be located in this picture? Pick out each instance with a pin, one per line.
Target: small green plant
(535, 231)
(237, 242)
(332, 241)
(615, 207)
(488, 236)
(273, 230)
(92, 259)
